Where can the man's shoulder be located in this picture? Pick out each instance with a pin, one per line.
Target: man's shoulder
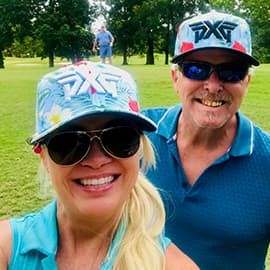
(253, 136)
(155, 114)
(257, 131)
(262, 135)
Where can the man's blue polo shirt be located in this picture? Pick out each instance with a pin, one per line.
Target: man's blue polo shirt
(104, 38)
(223, 221)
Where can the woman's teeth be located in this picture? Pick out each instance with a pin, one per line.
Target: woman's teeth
(96, 181)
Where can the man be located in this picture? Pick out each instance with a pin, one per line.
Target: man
(104, 40)
(213, 163)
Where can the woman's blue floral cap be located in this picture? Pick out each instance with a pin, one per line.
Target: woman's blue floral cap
(85, 89)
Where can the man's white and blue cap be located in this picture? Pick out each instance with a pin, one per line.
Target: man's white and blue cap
(86, 89)
(214, 30)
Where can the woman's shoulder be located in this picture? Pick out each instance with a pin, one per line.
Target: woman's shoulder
(5, 244)
(176, 259)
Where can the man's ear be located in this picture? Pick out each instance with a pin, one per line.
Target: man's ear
(174, 72)
(249, 77)
(175, 75)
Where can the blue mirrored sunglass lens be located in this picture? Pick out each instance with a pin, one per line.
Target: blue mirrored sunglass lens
(196, 71)
(226, 72)
(232, 75)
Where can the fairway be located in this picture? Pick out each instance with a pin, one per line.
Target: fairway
(19, 190)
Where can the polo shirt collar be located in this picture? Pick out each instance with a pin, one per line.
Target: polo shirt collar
(243, 143)
(167, 125)
(43, 233)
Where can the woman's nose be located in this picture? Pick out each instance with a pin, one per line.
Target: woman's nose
(97, 156)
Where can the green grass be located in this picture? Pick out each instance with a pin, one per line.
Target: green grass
(19, 189)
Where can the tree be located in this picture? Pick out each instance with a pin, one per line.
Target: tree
(28, 47)
(259, 16)
(122, 21)
(174, 12)
(62, 27)
(146, 26)
(6, 31)
(15, 22)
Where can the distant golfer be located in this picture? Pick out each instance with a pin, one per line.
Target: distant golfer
(104, 40)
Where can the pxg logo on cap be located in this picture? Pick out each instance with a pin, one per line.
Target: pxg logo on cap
(214, 30)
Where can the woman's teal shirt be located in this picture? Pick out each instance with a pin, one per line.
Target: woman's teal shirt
(35, 241)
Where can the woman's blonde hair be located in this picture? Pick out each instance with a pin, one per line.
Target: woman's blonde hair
(144, 216)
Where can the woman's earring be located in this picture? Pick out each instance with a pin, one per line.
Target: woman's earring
(37, 149)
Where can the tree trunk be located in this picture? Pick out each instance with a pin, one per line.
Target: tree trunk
(125, 62)
(167, 44)
(150, 52)
(1, 60)
(51, 59)
(167, 56)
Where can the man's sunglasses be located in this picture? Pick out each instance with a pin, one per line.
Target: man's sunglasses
(227, 72)
(71, 147)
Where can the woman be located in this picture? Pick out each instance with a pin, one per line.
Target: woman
(106, 215)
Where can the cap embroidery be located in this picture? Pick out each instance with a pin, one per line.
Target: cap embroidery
(220, 29)
(78, 82)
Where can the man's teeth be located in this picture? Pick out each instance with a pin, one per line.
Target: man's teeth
(211, 103)
(97, 181)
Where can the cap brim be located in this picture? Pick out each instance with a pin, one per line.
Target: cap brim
(251, 60)
(141, 121)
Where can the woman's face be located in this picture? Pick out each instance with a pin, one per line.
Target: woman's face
(99, 184)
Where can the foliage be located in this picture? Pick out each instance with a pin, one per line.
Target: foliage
(7, 25)
(62, 28)
(122, 20)
(16, 22)
(28, 47)
(259, 14)
(148, 26)
(58, 27)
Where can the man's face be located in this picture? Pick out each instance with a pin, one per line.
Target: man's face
(211, 102)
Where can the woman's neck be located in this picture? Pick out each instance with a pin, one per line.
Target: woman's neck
(83, 243)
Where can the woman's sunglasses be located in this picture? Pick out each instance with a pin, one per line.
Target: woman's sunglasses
(71, 147)
(227, 72)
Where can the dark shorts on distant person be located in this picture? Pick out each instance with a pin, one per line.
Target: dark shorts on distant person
(105, 51)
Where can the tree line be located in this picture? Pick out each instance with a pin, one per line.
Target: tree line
(62, 28)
